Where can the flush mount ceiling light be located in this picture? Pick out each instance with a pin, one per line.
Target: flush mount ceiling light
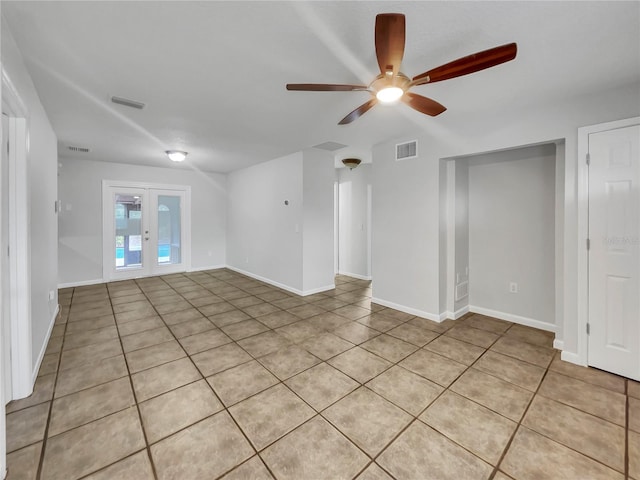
(176, 155)
(351, 163)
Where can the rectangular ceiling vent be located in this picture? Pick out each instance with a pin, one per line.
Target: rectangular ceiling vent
(405, 151)
(79, 149)
(127, 103)
(330, 146)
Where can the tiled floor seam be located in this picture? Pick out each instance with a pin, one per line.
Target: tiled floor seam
(281, 382)
(625, 472)
(519, 424)
(626, 430)
(53, 397)
(225, 408)
(319, 413)
(135, 398)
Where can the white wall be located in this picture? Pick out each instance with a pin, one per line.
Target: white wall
(354, 227)
(318, 176)
(290, 246)
(405, 229)
(511, 234)
(80, 221)
(42, 160)
(406, 244)
(264, 236)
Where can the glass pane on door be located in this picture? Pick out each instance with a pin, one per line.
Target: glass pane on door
(169, 230)
(128, 231)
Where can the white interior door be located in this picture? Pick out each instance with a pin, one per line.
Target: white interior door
(145, 231)
(614, 255)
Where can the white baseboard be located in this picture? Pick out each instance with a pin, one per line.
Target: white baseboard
(558, 344)
(412, 311)
(457, 314)
(81, 283)
(318, 290)
(202, 269)
(529, 322)
(282, 285)
(355, 275)
(47, 337)
(572, 358)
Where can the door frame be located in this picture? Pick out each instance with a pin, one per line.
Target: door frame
(19, 242)
(107, 185)
(583, 228)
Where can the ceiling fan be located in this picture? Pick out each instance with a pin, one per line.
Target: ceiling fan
(392, 84)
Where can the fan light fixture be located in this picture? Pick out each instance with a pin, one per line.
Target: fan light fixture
(351, 163)
(176, 155)
(390, 94)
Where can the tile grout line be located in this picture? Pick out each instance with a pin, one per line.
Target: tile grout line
(282, 382)
(444, 390)
(135, 397)
(626, 430)
(319, 413)
(224, 407)
(518, 425)
(53, 397)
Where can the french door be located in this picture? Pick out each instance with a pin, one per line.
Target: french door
(145, 230)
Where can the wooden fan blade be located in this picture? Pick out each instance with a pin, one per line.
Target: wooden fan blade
(390, 39)
(324, 87)
(358, 112)
(423, 104)
(469, 64)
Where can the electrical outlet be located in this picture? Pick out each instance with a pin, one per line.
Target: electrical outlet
(52, 294)
(246, 260)
(513, 287)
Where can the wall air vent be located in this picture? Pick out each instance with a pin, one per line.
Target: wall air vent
(405, 151)
(128, 103)
(79, 149)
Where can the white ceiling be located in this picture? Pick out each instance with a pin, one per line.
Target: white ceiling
(213, 74)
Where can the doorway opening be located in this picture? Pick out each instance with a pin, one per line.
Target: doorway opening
(504, 235)
(353, 203)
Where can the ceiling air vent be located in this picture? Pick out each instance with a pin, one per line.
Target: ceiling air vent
(79, 149)
(128, 103)
(330, 146)
(405, 151)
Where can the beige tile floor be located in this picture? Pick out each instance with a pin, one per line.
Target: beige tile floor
(216, 375)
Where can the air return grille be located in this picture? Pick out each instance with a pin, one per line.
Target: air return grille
(405, 151)
(462, 290)
(78, 149)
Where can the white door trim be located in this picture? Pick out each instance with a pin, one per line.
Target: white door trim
(107, 185)
(583, 228)
(19, 240)
(19, 256)
(20, 259)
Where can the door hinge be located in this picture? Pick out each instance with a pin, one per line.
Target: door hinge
(588, 244)
(588, 329)
(588, 159)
